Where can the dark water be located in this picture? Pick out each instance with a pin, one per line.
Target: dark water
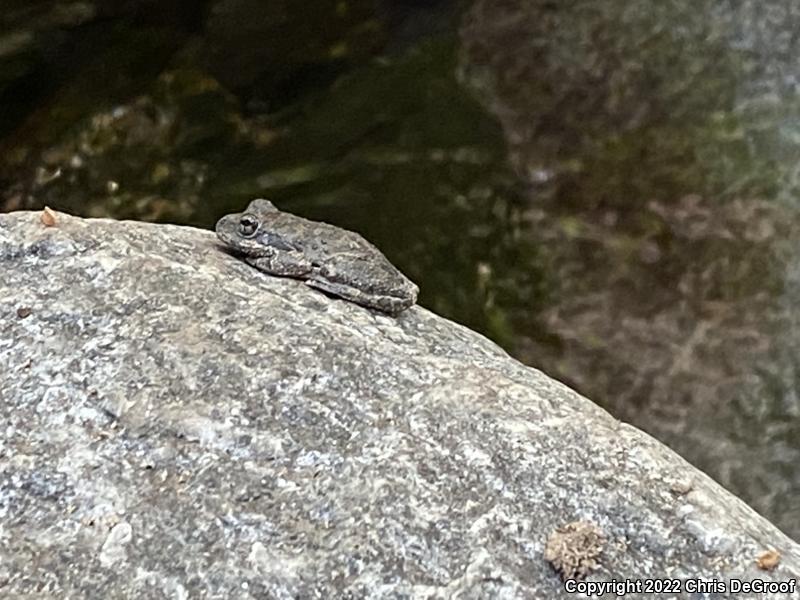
(608, 189)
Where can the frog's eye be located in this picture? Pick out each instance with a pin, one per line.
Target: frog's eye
(248, 225)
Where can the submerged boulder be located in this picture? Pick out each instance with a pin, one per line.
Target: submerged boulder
(178, 424)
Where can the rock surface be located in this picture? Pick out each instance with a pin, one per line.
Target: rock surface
(179, 425)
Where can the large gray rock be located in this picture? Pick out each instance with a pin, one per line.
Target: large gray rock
(177, 424)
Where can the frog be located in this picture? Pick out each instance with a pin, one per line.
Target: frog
(336, 261)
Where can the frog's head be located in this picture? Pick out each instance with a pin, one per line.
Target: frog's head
(244, 232)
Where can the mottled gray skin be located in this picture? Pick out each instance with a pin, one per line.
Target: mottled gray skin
(326, 257)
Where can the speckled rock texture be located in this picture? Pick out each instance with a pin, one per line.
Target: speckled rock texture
(176, 424)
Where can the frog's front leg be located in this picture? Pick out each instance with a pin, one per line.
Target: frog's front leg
(283, 264)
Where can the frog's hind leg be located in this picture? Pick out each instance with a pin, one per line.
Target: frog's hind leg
(340, 290)
(387, 304)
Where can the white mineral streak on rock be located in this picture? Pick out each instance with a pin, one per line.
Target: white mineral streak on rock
(114, 548)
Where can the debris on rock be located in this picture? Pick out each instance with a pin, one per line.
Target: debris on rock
(768, 560)
(573, 549)
(48, 217)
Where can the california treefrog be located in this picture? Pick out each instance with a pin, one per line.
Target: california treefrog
(334, 260)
